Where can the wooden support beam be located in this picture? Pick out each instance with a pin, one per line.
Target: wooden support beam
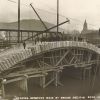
(9, 37)
(38, 75)
(43, 81)
(26, 85)
(95, 74)
(89, 57)
(3, 90)
(65, 61)
(39, 63)
(53, 61)
(86, 69)
(48, 83)
(21, 36)
(6, 35)
(32, 36)
(22, 85)
(62, 58)
(57, 78)
(15, 30)
(13, 80)
(61, 54)
(72, 59)
(28, 34)
(46, 64)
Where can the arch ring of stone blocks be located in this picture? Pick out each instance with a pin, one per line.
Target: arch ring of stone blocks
(11, 59)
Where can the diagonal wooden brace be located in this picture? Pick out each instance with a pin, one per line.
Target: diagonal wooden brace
(62, 58)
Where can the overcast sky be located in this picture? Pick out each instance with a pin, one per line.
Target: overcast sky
(76, 10)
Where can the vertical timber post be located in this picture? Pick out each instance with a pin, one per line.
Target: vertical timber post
(9, 37)
(44, 77)
(95, 73)
(18, 21)
(23, 84)
(28, 35)
(32, 36)
(21, 37)
(3, 88)
(57, 17)
(56, 77)
(42, 81)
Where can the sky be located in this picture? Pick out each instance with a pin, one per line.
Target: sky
(76, 10)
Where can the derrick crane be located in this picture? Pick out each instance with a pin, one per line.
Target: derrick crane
(47, 29)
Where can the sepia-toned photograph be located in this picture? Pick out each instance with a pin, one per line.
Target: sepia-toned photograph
(49, 49)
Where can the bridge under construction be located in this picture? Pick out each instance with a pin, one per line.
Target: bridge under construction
(47, 61)
(46, 56)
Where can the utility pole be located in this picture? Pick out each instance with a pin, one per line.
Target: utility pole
(18, 21)
(57, 17)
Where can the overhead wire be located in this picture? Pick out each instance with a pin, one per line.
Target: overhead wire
(54, 13)
(79, 21)
(12, 1)
(17, 2)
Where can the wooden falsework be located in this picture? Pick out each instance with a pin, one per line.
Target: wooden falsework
(13, 80)
(62, 58)
(3, 90)
(53, 62)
